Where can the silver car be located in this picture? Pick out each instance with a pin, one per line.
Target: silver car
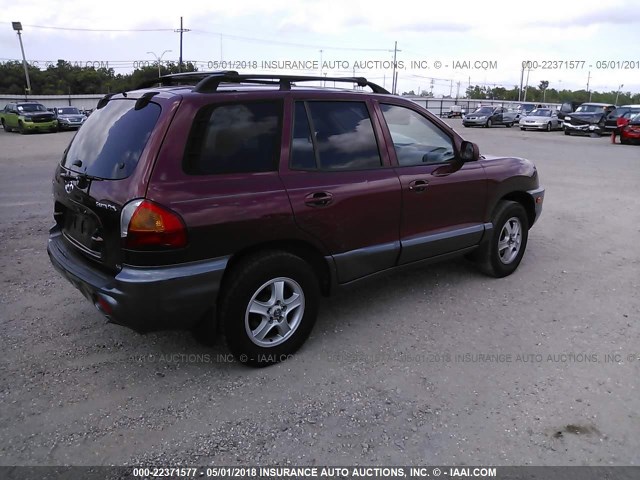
(541, 119)
(69, 118)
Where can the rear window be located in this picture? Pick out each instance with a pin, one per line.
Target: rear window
(110, 142)
(235, 138)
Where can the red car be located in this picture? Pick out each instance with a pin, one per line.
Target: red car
(239, 199)
(630, 133)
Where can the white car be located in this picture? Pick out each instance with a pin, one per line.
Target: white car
(541, 119)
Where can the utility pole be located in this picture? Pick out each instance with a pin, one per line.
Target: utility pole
(526, 85)
(589, 80)
(394, 78)
(618, 92)
(17, 26)
(458, 92)
(182, 30)
(521, 80)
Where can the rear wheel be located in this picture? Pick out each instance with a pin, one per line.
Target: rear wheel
(502, 252)
(268, 307)
(488, 124)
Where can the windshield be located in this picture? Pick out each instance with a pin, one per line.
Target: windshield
(111, 140)
(31, 107)
(590, 109)
(540, 112)
(528, 108)
(68, 111)
(484, 111)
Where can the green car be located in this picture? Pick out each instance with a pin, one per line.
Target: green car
(28, 117)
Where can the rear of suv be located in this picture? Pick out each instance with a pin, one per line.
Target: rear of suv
(238, 201)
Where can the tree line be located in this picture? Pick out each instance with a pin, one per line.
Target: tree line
(64, 78)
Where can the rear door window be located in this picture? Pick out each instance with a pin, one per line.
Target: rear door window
(343, 135)
(110, 142)
(235, 138)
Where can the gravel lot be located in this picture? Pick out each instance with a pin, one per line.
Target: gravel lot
(391, 373)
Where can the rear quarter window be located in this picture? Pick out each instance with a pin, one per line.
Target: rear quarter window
(110, 142)
(235, 138)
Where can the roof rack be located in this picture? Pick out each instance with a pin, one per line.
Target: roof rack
(210, 81)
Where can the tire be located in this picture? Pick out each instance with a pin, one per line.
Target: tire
(522, 128)
(509, 125)
(549, 127)
(501, 254)
(6, 127)
(268, 281)
(488, 124)
(566, 132)
(624, 141)
(21, 128)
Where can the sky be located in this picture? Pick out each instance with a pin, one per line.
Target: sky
(441, 46)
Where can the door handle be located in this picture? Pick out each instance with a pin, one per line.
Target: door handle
(418, 185)
(318, 199)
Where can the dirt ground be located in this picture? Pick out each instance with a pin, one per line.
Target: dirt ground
(439, 365)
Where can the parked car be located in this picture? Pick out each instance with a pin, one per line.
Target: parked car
(541, 119)
(588, 118)
(488, 117)
(69, 118)
(567, 108)
(630, 133)
(27, 117)
(456, 111)
(610, 123)
(238, 204)
(524, 109)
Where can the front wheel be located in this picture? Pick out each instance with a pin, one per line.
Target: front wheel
(566, 132)
(624, 141)
(509, 125)
(549, 127)
(5, 127)
(488, 124)
(21, 128)
(503, 251)
(268, 307)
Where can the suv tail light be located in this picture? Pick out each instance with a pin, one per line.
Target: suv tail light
(148, 225)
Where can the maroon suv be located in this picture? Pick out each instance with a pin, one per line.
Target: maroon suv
(236, 200)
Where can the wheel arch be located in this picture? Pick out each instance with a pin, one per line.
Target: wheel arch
(306, 251)
(525, 200)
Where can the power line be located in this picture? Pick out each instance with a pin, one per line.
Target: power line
(101, 29)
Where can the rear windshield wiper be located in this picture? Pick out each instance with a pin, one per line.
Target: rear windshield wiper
(81, 179)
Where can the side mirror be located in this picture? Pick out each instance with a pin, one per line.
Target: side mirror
(469, 152)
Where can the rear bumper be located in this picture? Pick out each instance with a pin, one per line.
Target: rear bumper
(142, 298)
(538, 198)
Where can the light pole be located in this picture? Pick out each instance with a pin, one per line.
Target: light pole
(17, 26)
(394, 78)
(158, 58)
(618, 92)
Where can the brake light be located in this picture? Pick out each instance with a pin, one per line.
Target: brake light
(148, 225)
